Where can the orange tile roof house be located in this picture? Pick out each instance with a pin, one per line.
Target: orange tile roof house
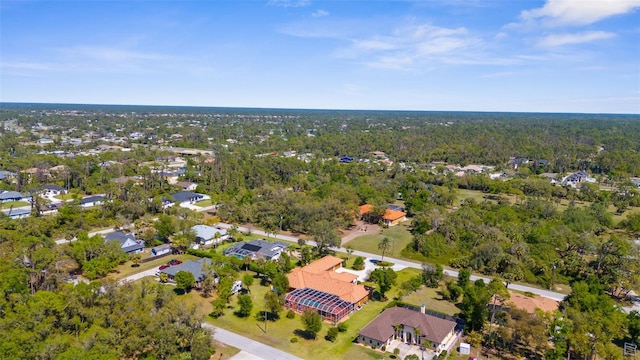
(317, 286)
(401, 323)
(391, 217)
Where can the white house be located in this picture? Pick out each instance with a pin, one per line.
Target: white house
(209, 235)
(128, 242)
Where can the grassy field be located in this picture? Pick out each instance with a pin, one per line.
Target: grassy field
(279, 333)
(204, 203)
(432, 300)
(369, 243)
(126, 269)
(14, 204)
(67, 196)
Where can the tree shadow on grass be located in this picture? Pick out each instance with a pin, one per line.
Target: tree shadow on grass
(304, 334)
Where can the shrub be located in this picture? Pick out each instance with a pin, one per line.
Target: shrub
(358, 263)
(332, 334)
(294, 340)
(342, 327)
(384, 264)
(290, 314)
(384, 348)
(442, 355)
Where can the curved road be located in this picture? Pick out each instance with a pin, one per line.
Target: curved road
(546, 293)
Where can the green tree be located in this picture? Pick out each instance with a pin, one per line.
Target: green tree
(358, 263)
(384, 245)
(247, 281)
(312, 322)
(272, 304)
(432, 274)
(385, 278)
(245, 305)
(184, 280)
(633, 325)
(165, 227)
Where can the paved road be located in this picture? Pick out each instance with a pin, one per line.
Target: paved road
(254, 349)
(546, 293)
(257, 349)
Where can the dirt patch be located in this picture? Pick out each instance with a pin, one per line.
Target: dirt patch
(361, 228)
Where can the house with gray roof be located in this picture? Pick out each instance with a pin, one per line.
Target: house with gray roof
(257, 249)
(209, 235)
(161, 250)
(410, 326)
(128, 242)
(7, 175)
(195, 267)
(90, 201)
(7, 196)
(188, 197)
(18, 213)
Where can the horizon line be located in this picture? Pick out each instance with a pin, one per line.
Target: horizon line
(315, 109)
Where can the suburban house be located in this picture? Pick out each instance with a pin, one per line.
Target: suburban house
(7, 196)
(577, 178)
(393, 215)
(526, 303)
(186, 197)
(53, 190)
(195, 267)
(17, 213)
(319, 287)
(410, 326)
(7, 175)
(256, 249)
(209, 235)
(161, 250)
(91, 201)
(187, 185)
(128, 242)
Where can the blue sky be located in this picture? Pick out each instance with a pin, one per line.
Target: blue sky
(470, 55)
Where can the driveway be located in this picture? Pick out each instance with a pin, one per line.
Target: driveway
(251, 349)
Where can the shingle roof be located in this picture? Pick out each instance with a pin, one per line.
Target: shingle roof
(183, 196)
(10, 195)
(207, 232)
(91, 199)
(266, 249)
(432, 328)
(194, 267)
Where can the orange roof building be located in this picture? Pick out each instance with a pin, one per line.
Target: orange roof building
(317, 286)
(391, 217)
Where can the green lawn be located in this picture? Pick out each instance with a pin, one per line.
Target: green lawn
(67, 196)
(280, 332)
(14, 204)
(432, 300)
(204, 203)
(399, 235)
(126, 269)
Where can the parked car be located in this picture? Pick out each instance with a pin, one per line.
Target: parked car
(174, 262)
(162, 267)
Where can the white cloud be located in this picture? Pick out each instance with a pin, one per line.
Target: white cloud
(575, 12)
(406, 47)
(290, 3)
(319, 13)
(578, 38)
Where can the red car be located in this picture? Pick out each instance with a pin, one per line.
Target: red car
(174, 262)
(162, 267)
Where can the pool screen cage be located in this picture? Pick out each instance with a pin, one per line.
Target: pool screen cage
(329, 306)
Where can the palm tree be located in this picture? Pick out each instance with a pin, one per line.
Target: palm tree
(384, 245)
(397, 328)
(416, 335)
